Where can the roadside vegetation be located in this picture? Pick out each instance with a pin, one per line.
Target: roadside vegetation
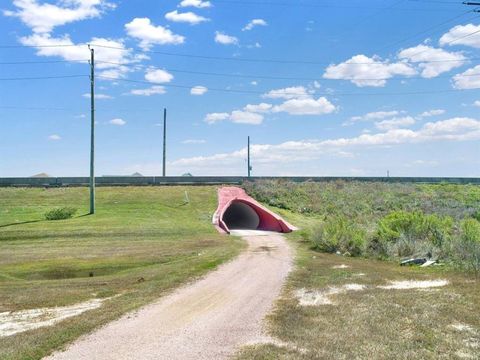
(141, 243)
(348, 298)
(384, 220)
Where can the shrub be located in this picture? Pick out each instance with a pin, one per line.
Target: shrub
(466, 248)
(60, 213)
(403, 233)
(338, 234)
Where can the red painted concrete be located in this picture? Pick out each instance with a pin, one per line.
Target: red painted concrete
(268, 220)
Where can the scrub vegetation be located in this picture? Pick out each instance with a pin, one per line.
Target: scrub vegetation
(384, 220)
(141, 243)
(365, 306)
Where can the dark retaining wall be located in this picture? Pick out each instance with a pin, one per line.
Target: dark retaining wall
(206, 180)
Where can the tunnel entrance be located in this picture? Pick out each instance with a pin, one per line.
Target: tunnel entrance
(241, 216)
(236, 211)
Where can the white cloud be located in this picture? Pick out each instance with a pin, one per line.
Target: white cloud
(216, 117)
(293, 92)
(253, 23)
(111, 60)
(455, 129)
(254, 83)
(198, 90)
(459, 35)
(225, 39)
(54, 137)
(117, 122)
(98, 96)
(306, 106)
(426, 58)
(43, 18)
(469, 79)
(236, 116)
(149, 34)
(364, 71)
(194, 141)
(476, 103)
(159, 76)
(187, 17)
(195, 3)
(433, 112)
(154, 90)
(395, 123)
(258, 108)
(376, 115)
(246, 117)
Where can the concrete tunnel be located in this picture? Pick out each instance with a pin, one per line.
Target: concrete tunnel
(236, 210)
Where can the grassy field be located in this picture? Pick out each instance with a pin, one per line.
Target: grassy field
(142, 242)
(372, 322)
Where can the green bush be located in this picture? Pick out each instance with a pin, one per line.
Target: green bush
(337, 233)
(466, 248)
(403, 233)
(60, 213)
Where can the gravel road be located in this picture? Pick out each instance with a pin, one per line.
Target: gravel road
(208, 319)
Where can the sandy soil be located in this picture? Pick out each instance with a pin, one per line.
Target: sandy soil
(208, 319)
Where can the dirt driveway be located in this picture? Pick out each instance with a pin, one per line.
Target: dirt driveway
(208, 319)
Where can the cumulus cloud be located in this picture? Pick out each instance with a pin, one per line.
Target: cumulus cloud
(253, 23)
(306, 106)
(198, 90)
(455, 129)
(469, 79)
(186, 17)
(54, 137)
(112, 59)
(293, 92)
(236, 116)
(158, 76)
(224, 39)
(468, 35)
(395, 123)
(216, 117)
(258, 108)
(195, 3)
(117, 122)
(98, 96)
(154, 90)
(433, 112)
(426, 58)
(44, 17)
(364, 71)
(149, 34)
(376, 115)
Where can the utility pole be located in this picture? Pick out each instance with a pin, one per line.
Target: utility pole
(249, 167)
(92, 131)
(164, 172)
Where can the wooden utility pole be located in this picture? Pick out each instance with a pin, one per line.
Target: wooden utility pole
(164, 171)
(92, 130)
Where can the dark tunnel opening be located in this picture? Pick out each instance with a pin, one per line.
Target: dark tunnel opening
(240, 215)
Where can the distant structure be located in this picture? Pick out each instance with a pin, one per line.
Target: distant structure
(187, 174)
(137, 174)
(41, 175)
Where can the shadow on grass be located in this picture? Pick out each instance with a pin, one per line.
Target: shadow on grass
(21, 223)
(36, 221)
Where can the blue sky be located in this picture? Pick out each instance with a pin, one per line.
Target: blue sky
(322, 87)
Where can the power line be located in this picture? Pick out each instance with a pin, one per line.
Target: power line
(42, 77)
(28, 62)
(253, 92)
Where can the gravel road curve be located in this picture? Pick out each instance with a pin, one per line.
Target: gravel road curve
(208, 319)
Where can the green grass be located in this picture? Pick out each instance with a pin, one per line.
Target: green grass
(137, 233)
